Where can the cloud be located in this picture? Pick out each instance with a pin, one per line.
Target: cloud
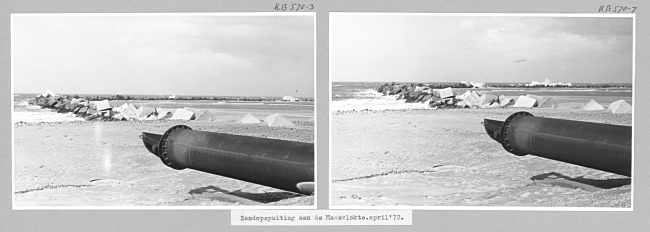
(480, 48)
(520, 38)
(466, 24)
(120, 52)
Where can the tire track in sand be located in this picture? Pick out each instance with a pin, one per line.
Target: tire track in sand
(53, 187)
(396, 172)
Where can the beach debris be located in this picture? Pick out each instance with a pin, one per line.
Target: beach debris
(67, 106)
(75, 101)
(593, 105)
(182, 114)
(282, 164)
(163, 114)
(130, 112)
(446, 92)
(472, 99)
(82, 111)
(150, 117)
(493, 105)
(91, 110)
(118, 117)
(205, 116)
(144, 112)
(462, 104)
(620, 107)
(132, 107)
(524, 101)
(121, 108)
(102, 105)
(195, 111)
(487, 99)
(504, 101)
(51, 103)
(277, 120)
(599, 146)
(106, 113)
(547, 102)
(539, 99)
(249, 119)
(463, 96)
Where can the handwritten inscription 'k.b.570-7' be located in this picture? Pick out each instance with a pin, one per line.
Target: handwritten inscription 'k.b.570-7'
(616, 9)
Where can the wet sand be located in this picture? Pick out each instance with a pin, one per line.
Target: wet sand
(444, 157)
(106, 164)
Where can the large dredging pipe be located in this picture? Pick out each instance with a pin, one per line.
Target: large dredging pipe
(594, 145)
(281, 164)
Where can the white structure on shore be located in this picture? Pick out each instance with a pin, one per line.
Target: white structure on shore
(173, 96)
(547, 83)
(475, 85)
(289, 98)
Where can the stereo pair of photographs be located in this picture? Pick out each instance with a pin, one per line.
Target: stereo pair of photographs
(423, 111)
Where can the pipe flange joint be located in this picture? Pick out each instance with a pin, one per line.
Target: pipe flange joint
(162, 147)
(505, 140)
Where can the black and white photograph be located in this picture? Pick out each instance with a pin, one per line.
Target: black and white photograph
(163, 110)
(481, 111)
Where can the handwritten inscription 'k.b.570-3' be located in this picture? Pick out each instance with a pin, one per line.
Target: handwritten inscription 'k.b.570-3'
(293, 7)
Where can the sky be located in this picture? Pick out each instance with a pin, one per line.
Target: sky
(213, 55)
(437, 48)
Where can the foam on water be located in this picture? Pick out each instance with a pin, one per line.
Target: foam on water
(43, 116)
(545, 90)
(384, 103)
(280, 104)
(235, 103)
(33, 107)
(368, 93)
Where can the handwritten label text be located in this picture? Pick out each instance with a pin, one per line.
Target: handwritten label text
(616, 9)
(293, 7)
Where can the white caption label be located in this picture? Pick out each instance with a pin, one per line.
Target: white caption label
(319, 217)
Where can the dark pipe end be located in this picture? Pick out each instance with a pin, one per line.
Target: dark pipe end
(493, 128)
(162, 146)
(151, 142)
(505, 140)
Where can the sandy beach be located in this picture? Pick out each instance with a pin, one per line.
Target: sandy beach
(79, 163)
(444, 157)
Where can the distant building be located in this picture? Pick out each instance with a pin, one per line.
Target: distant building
(173, 96)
